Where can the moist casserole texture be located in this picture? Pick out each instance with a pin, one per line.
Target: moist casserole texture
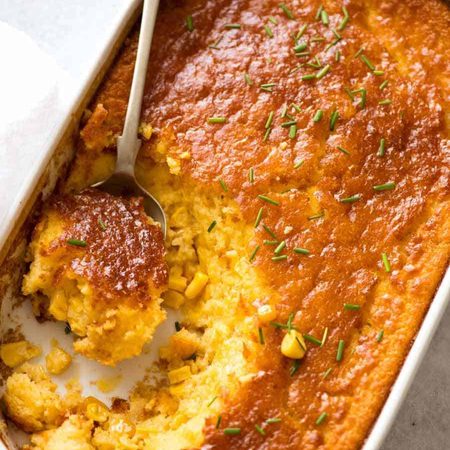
(301, 152)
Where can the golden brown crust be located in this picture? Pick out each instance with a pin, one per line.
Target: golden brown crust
(189, 81)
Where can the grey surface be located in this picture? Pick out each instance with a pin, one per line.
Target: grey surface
(424, 419)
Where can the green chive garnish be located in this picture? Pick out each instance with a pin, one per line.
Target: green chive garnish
(268, 31)
(383, 84)
(280, 247)
(351, 306)
(254, 252)
(380, 335)
(301, 32)
(267, 134)
(318, 116)
(322, 72)
(261, 336)
(333, 119)
(251, 175)
(77, 242)
(266, 242)
(324, 17)
(378, 73)
(312, 339)
(351, 199)
(189, 23)
(321, 418)
(300, 47)
(211, 227)
(316, 216)
(286, 11)
(273, 420)
(294, 368)
(343, 150)
(213, 120)
(219, 420)
(211, 402)
(298, 164)
(385, 187)
(269, 121)
(101, 224)
(340, 350)
(367, 62)
(326, 373)
(382, 147)
(386, 262)
(358, 53)
(319, 13)
(309, 76)
(247, 79)
(344, 21)
(259, 217)
(279, 258)
(269, 231)
(223, 185)
(268, 200)
(288, 124)
(293, 131)
(386, 101)
(260, 430)
(268, 87)
(301, 251)
(338, 56)
(324, 337)
(233, 26)
(273, 20)
(232, 431)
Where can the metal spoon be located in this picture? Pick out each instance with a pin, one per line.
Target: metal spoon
(123, 180)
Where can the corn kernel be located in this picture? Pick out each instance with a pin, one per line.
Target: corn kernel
(197, 285)
(58, 360)
(16, 353)
(96, 410)
(293, 345)
(178, 375)
(173, 299)
(266, 313)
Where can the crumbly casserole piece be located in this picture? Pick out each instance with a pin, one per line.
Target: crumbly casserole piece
(97, 263)
(300, 150)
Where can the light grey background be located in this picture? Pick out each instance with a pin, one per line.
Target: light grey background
(72, 33)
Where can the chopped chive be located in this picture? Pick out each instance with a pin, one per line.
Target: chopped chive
(288, 124)
(351, 199)
(383, 84)
(386, 101)
(280, 247)
(324, 17)
(177, 326)
(268, 200)
(268, 31)
(321, 73)
(189, 23)
(367, 62)
(215, 45)
(254, 252)
(358, 53)
(260, 430)
(316, 216)
(380, 335)
(298, 164)
(349, 93)
(302, 54)
(211, 402)
(269, 231)
(267, 134)
(340, 350)
(279, 258)
(296, 107)
(266, 242)
(211, 227)
(219, 420)
(309, 76)
(101, 224)
(317, 39)
(385, 187)
(259, 217)
(338, 55)
(318, 116)
(312, 339)
(319, 13)
(326, 373)
(251, 175)
(273, 420)
(269, 121)
(363, 93)
(378, 73)
(247, 79)
(294, 368)
(382, 147)
(261, 336)
(232, 431)
(286, 11)
(233, 26)
(337, 35)
(301, 32)
(223, 185)
(323, 416)
(343, 150)
(333, 119)
(344, 21)
(77, 242)
(351, 306)
(386, 262)
(268, 87)
(300, 47)
(324, 337)
(301, 251)
(296, 69)
(300, 344)
(293, 131)
(273, 20)
(213, 120)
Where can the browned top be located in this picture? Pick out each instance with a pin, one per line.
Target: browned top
(124, 252)
(190, 81)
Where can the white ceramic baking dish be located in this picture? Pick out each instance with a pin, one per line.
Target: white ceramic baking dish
(40, 182)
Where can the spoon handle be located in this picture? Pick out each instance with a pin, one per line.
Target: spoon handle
(128, 144)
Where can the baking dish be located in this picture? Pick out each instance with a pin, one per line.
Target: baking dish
(394, 388)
